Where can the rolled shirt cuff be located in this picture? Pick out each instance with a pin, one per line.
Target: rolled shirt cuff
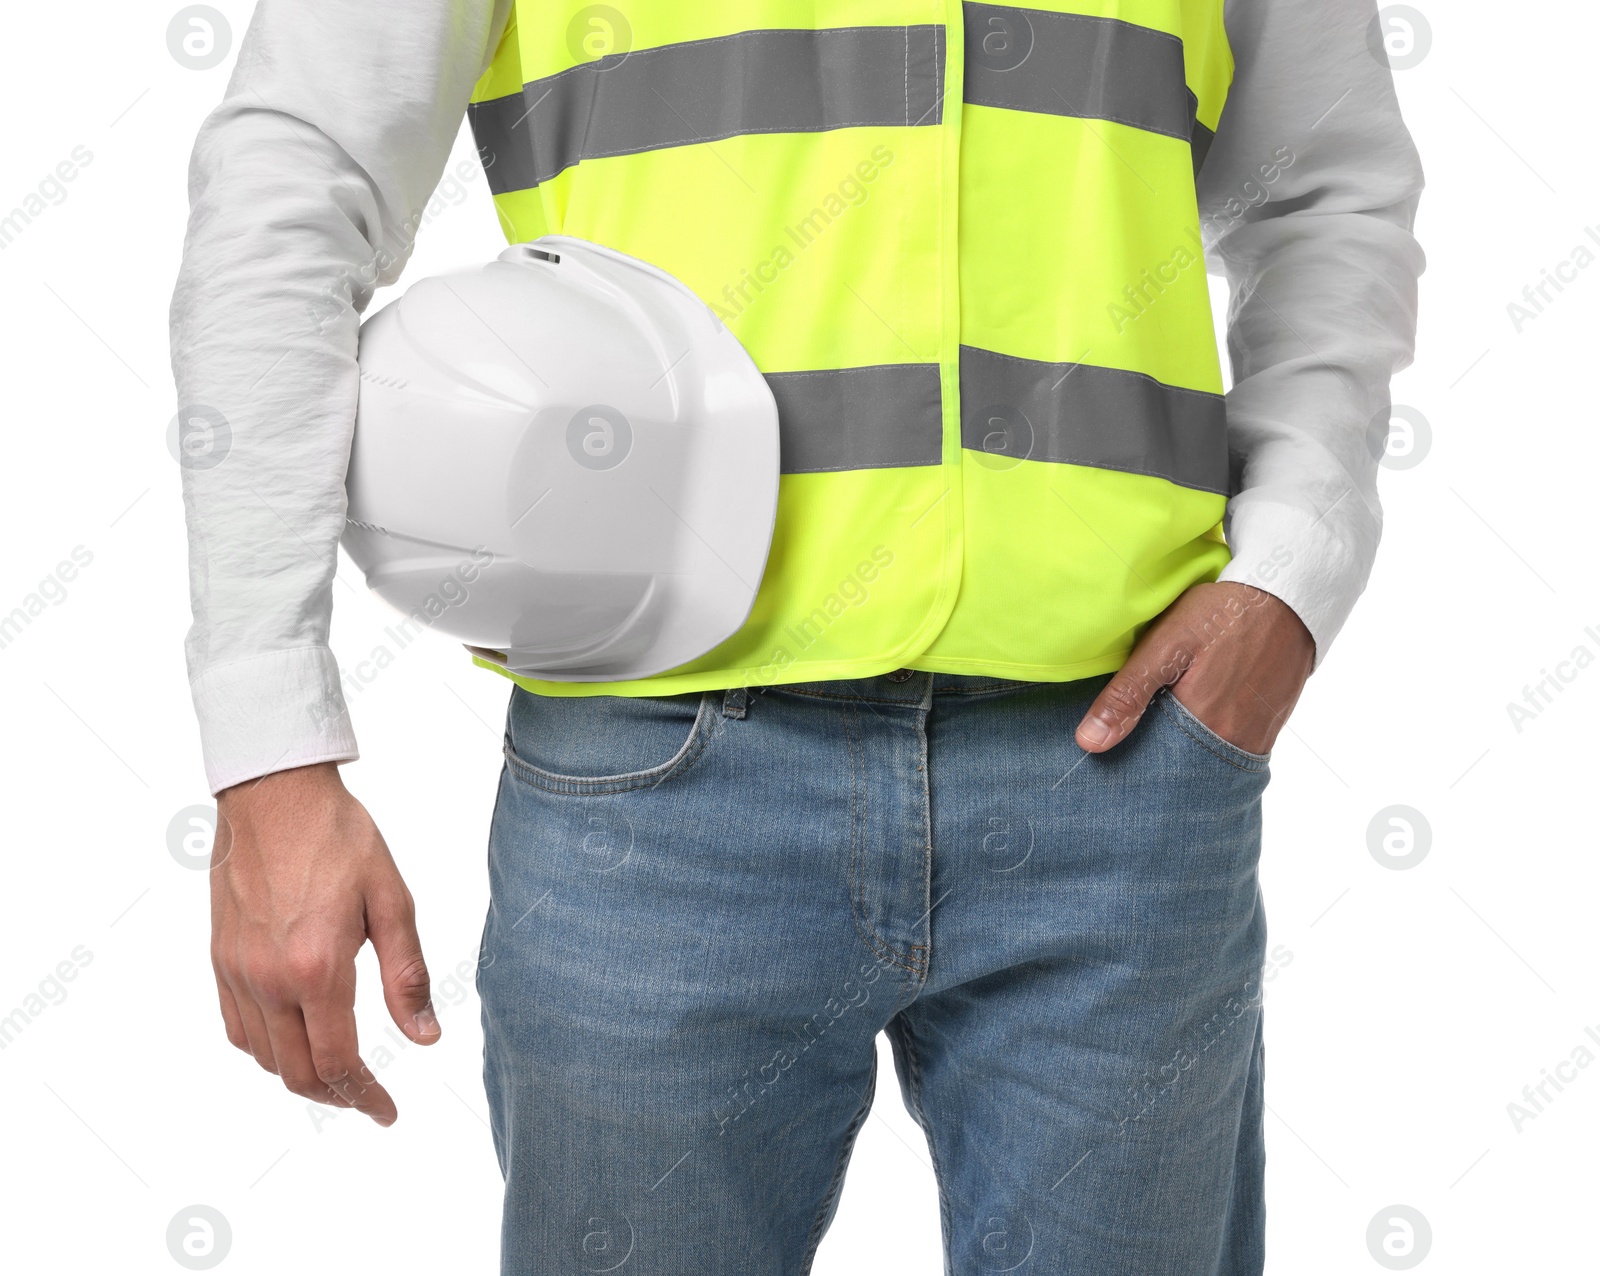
(270, 713)
(1301, 560)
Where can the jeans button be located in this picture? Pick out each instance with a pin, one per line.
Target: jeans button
(902, 675)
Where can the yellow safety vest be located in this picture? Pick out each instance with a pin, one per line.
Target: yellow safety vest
(962, 244)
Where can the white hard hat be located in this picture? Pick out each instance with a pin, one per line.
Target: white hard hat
(565, 461)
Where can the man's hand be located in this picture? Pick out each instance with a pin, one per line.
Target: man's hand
(300, 878)
(1234, 656)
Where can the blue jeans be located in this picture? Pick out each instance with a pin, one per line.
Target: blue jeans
(707, 906)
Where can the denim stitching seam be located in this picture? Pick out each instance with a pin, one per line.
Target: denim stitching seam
(1246, 761)
(843, 1160)
(914, 1064)
(875, 943)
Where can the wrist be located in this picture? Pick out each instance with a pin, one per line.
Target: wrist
(294, 784)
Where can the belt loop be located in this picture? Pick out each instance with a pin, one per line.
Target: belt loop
(734, 702)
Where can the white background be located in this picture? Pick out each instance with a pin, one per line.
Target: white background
(1417, 1005)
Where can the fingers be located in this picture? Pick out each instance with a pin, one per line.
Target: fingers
(231, 1020)
(300, 864)
(1122, 701)
(334, 1064)
(257, 1039)
(1222, 635)
(296, 1014)
(310, 1014)
(392, 928)
(292, 1051)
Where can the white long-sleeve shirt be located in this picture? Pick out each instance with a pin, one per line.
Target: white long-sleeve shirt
(338, 120)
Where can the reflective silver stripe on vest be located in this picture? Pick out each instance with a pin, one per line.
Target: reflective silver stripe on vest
(858, 418)
(1071, 64)
(707, 90)
(1078, 414)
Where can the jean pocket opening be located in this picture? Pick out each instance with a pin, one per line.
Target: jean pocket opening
(707, 714)
(1190, 724)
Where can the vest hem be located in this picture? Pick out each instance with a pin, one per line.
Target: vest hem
(818, 671)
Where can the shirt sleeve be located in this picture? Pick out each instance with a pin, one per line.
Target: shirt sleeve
(306, 187)
(1307, 199)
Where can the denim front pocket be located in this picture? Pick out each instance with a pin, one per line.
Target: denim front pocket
(605, 744)
(1186, 721)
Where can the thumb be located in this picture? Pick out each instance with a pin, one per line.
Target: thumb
(392, 928)
(1122, 701)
